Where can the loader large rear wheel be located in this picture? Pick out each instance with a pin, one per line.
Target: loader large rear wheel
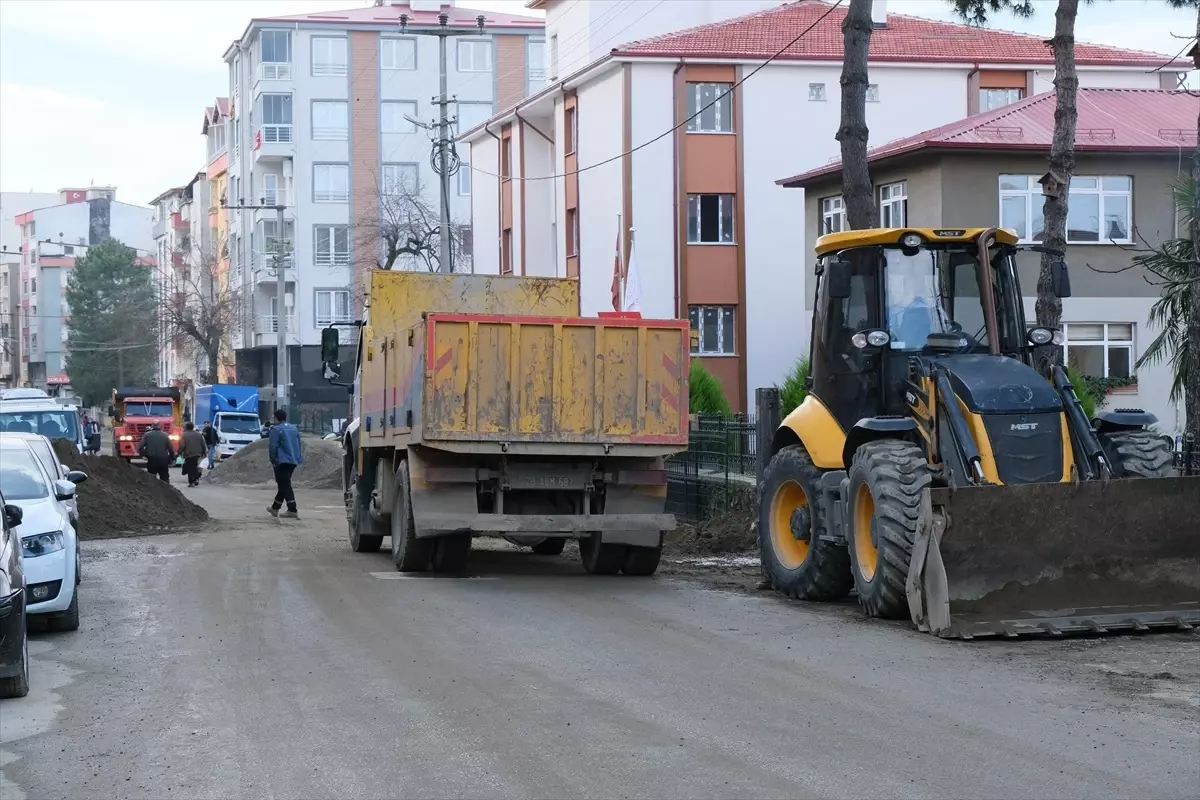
(799, 563)
(1138, 454)
(886, 481)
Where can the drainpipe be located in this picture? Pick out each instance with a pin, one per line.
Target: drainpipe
(675, 199)
(974, 71)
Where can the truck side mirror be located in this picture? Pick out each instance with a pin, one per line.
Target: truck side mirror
(838, 275)
(1060, 279)
(330, 352)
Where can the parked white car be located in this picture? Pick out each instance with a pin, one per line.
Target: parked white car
(50, 548)
(45, 452)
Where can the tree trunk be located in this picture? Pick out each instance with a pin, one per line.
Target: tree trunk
(858, 194)
(1191, 381)
(1062, 166)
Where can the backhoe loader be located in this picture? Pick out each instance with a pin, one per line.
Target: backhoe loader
(934, 472)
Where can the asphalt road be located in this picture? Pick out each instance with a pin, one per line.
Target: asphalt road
(261, 659)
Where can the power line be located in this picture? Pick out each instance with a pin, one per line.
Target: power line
(674, 128)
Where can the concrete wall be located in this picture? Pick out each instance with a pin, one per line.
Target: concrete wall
(600, 189)
(653, 190)
(485, 205)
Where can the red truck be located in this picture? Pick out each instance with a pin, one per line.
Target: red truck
(134, 409)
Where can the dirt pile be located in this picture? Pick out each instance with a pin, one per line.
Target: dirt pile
(725, 533)
(322, 467)
(118, 499)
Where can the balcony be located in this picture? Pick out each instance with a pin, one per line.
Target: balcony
(264, 266)
(273, 142)
(275, 71)
(266, 330)
(334, 259)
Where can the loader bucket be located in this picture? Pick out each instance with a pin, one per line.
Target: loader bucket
(1059, 558)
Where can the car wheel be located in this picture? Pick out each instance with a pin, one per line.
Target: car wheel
(18, 686)
(69, 619)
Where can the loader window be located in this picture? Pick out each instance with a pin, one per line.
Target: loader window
(844, 377)
(935, 291)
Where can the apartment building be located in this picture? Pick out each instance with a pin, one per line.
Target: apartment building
(52, 238)
(716, 238)
(325, 119)
(1132, 146)
(185, 254)
(13, 204)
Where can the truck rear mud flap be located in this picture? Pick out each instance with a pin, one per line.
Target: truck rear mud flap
(1056, 559)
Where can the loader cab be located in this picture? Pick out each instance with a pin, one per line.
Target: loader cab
(885, 296)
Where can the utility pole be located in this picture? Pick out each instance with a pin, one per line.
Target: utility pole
(445, 162)
(282, 366)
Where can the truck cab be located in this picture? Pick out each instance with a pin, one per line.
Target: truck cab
(135, 409)
(233, 412)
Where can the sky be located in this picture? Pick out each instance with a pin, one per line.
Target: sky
(113, 91)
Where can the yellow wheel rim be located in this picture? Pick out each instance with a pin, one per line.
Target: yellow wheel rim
(866, 554)
(790, 551)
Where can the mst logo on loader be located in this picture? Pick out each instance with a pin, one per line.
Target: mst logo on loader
(1023, 426)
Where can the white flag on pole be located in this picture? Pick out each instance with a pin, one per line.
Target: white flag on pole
(633, 286)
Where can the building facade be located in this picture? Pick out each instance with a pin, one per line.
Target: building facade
(654, 132)
(325, 119)
(52, 238)
(1132, 146)
(186, 259)
(12, 205)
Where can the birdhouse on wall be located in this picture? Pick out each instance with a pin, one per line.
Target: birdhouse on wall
(1053, 184)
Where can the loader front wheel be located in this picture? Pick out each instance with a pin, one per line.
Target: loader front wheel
(886, 481)
(798, 562)
(409, 553)
(1138, 454)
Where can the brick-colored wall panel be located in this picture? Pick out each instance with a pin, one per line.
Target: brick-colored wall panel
(511, 70)
(364, 149)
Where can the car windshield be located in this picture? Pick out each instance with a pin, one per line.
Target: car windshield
(936, 291)
(53, 423)
(21, 477)
(248, 425)
(150, 408)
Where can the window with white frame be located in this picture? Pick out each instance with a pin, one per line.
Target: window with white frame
(474, 55)
(330, 120)
(833, 216)
(816, 91)
(328, 56)
(276, 118)
(395, 114)
(1099, 349)
(998, 98)
(535, 57)
(464, 178)
(332, 305)
(872, 92)
(275, 54)
(398, 53)
(710, 219)
(331, 245)
(714, 328)
(1099, 208)
(710, 107)
(399, 179)
(331, 183)
(893, 205)
(466, 241)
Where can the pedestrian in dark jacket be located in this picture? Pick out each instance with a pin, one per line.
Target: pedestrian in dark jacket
(283, 445)
(210, 441)
(158, 451)
(193, 449)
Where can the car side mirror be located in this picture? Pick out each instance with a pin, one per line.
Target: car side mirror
(64, 490)
(13, 515)
(76, 477)
(838, 275)
(1060, 279)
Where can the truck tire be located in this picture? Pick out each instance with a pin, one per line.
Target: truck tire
(601, 559)
(451, 553)
(808, 567)
(641, 560)
(1138, 454)
(409, 553)
(550, 546)
(363, 535)
(887, 479)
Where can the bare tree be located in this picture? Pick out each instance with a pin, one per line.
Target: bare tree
(857, 191)
(407, 224)
(200, 306)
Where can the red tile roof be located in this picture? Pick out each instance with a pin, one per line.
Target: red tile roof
(1110, 120)
(761, 35)
(390, 15)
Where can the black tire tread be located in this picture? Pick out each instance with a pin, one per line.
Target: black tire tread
(67, 620)
(641, 561)
(601, 559)
(409, 553)
(825, 574)
(17, 686)
(1140, 454)
(550, 546)
(451, 553)
(897, 473)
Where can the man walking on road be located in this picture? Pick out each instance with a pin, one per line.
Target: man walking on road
(156, 448)
(193, 449)
(210, 441)
(283, 445)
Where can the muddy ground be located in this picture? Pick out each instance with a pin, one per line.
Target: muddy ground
(250, 466)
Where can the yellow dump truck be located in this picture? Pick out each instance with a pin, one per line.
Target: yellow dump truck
(486, 406)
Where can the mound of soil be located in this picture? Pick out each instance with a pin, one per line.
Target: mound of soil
(726, 533)
(322, 467)
(118, 499)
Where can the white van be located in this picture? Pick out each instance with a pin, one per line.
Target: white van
(23, 411)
